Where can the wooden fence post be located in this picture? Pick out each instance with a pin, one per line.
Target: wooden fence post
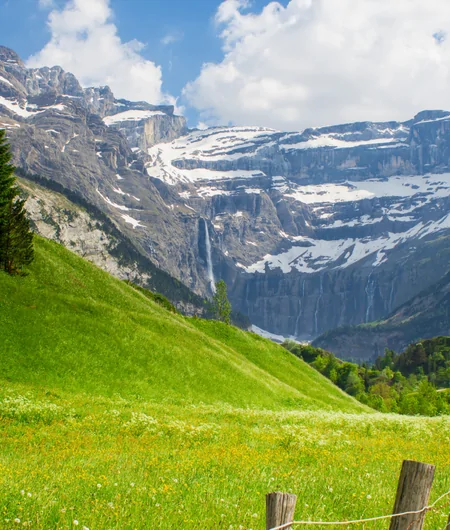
(280, 508)
(413, 493)
(448, 524)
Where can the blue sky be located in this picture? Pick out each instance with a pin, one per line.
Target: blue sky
(286, 64)
(180, 35)
(23, 28)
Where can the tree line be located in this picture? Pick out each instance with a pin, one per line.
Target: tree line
(16, 238)
(416, 381)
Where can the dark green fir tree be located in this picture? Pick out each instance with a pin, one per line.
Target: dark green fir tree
(221, 305)
(16, 238)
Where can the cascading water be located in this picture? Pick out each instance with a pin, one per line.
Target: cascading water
(301, 305)
(316, 312)
(370, 292)
(391, 296)
(209, 266)
(298, 317)
(247, 305)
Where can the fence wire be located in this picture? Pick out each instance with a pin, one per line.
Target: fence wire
(359, 521)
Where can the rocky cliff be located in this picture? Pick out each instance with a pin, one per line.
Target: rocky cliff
(83, 229)
(91, 143)
(311, 230)
(424, 316)
(321, 229)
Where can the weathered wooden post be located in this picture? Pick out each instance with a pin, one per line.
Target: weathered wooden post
(448, 524)
(413, 493)
(280, 508)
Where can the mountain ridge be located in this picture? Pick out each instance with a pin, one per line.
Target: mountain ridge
(311, 230)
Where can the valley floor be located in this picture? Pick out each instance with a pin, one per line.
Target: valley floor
(72, 460)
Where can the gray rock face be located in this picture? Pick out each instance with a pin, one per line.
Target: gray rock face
(55, 217)
(60, 131)
(319, 229)
(310, 230)
(425, 315)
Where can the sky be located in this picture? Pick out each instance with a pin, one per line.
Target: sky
(286, 65)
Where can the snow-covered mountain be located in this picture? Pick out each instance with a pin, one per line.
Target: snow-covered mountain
(319, 224)
(311, 230)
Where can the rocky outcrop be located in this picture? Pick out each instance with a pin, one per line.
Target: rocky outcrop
(61, 131)
(143, 133)
(54, 217)
(89, 234)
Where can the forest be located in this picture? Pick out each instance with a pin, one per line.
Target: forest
(415, 381)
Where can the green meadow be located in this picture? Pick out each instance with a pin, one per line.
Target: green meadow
(117, 414)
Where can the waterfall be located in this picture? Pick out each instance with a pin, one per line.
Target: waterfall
(301, 308)
(370, 293)
(298, 317)
(316, 312)
(209, 266)
(247, 305)
(391, 297)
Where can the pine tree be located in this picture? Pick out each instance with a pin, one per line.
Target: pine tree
(16, 239)
(221, 305)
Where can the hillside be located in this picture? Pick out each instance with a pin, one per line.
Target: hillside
(115, 413)
(63, 216)
(424, 316)
(71, 326)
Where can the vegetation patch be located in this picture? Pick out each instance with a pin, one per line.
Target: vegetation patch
(410, 383)
(127, 463)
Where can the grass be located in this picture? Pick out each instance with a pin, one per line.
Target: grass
(111, 463)
(116, 414)
(70, 325)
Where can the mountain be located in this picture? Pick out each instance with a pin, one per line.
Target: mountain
(311, 230)
(323, 228)
(69, 325)
(424, 316)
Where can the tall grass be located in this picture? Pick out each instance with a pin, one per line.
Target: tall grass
(70, 325)
(114, 463)
(117, 414)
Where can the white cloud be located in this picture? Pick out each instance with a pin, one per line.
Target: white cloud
(85, 41)
(46, 4)
(318, 62)
(172, 37)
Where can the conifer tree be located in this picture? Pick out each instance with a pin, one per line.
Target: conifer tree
(221, 305)
(16, 238)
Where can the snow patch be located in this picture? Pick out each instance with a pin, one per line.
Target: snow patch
(132, 221)
(432, 186)
(5, 81)
(267, 335)
(132, 115)
(207, 191)
(328, 140)
(314, 255)
(15, 107)
(113, 204)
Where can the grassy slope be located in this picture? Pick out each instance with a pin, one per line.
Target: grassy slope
(71, 449)
(70, 325)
